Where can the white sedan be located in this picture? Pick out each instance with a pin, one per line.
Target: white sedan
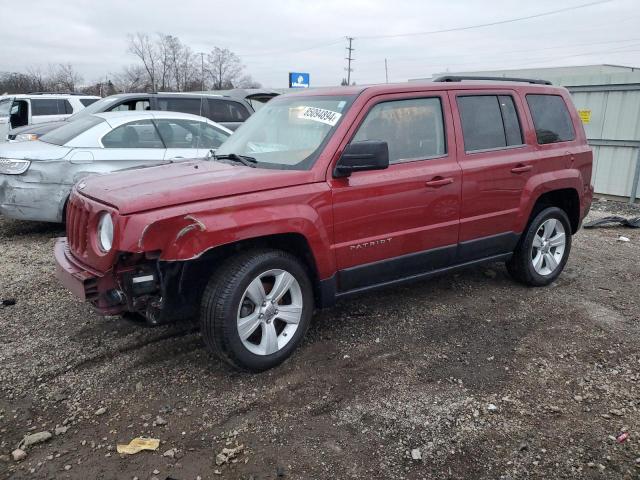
(36, 177)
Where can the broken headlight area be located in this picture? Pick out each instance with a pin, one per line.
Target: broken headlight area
(10, 166)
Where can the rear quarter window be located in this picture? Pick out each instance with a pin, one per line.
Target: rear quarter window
(551, 118)
(88, 101)
(227, 111)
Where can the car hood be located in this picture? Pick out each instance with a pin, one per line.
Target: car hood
(185, 182)
(33, 150)
(38, 128)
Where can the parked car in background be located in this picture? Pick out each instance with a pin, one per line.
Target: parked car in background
(224, 110)
(36, 108)
(36, 177)
(325, 194)
(256, 97)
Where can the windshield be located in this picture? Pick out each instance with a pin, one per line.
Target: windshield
(100, 106)
(68, 132)
(288, 132)
(5, 107)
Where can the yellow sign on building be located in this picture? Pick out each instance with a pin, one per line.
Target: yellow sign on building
(585, 116)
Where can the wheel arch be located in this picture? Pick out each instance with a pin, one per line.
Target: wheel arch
(566, 199)
(560, 189)
(190, 277)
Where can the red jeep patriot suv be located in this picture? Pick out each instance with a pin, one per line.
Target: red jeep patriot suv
(328, 193)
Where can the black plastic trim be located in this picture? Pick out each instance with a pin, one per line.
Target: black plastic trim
(487, 246)
(391, 269)
(425, 275)
(419, 265)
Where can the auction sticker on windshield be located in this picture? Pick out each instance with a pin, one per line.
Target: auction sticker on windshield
(320, 115)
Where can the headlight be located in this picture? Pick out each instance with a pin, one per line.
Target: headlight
(10, 166)
(25, 137)
(105, 232)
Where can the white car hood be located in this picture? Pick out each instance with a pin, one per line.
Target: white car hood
(33, 150)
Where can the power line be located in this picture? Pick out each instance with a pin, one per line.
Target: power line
(498, 53)
(490, 24)
(313, 47)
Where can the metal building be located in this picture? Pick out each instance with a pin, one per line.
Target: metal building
(608, 100)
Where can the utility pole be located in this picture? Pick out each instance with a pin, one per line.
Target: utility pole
(349, 59)
(386, 71)
(202, 71)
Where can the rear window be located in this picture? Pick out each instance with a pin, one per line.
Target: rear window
(50, 106)
(489, 122)
(227, 111)
(88, 101)
(71, 130)
(551, 118)
(182, 105)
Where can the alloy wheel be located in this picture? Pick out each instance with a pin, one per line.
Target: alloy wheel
(269, 312)
(548, 247)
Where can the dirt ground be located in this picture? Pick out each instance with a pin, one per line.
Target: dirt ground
(468, 376)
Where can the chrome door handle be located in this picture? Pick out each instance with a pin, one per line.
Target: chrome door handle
(521, 169)
(439, 182)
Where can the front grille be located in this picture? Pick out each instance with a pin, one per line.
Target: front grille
(77, 227)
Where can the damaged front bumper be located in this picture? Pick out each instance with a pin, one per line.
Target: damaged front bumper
(145, 287)
(94, 287)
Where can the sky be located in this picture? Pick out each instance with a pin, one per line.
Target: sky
(273, 37)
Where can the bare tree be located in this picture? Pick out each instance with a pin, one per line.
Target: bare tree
(63, 78)
(247, 81)
(224, 68)
(181, 60)
(147, 52)
(40, 84)
(132, 79)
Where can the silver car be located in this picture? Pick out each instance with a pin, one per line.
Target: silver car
(36, 177)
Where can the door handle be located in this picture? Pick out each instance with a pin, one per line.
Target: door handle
(522, 169)
(439, 182)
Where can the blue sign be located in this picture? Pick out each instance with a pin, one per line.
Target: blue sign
(298, 80)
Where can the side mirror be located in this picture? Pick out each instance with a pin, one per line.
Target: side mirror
(361, 156)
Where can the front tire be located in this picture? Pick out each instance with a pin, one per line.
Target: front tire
(256, 309)
(543, 249)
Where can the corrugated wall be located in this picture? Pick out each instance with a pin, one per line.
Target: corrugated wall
(614, 133)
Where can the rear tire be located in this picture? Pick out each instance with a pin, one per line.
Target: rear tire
(256, 309)
(543, 249)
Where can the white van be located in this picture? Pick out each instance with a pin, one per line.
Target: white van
(31, 108)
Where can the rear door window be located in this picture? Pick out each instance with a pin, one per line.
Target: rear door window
(221, 110)
(131, 105)
(489, 122)
(551, 118)
(139, 134)
(48, 106)
(179, 133)
(413, 129)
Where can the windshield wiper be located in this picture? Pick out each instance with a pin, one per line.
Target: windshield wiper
(243, 159)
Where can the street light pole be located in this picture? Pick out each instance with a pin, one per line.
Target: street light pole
(202, 72)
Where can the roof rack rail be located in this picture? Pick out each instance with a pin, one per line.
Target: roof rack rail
(460, 78)
(57, 93)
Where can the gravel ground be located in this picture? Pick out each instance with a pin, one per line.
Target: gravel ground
(466, 376)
